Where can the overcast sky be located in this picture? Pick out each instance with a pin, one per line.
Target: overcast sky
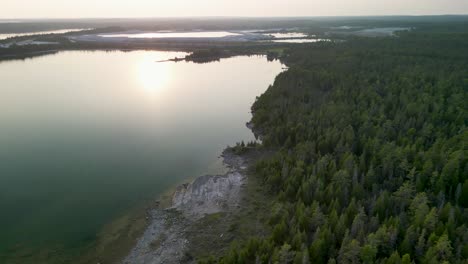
(171, 8)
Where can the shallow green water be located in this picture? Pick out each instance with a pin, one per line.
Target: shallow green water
(87, 135)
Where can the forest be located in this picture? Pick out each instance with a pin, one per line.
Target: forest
(370, 152)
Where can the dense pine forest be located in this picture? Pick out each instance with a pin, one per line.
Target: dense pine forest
(370, 165)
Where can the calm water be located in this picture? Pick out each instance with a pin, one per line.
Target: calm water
(212, 34)
(87, 135)
(288, 35)
(299, 40)
(62, 31)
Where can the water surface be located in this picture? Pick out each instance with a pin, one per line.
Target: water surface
(211, 34)
(87, 135)
(62, 31)
(288, 35)
(299, 40)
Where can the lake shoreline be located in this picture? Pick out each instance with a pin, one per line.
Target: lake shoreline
(170, 220)
(166, 237)
(141, 228)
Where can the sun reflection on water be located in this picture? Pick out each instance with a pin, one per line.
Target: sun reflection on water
(154, 76)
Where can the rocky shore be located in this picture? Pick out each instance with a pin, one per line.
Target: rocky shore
(167, 238)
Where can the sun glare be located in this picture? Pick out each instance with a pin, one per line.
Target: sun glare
(153, 76)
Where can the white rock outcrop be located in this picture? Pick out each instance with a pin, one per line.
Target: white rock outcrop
(208, 194)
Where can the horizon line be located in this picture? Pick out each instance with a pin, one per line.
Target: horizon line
(237, 17)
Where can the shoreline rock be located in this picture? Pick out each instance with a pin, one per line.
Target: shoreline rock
(165, 238)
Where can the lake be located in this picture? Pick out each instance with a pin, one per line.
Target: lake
(86, 136)
(288, 35)
(298, 40)
(201, 34)
(61, 31)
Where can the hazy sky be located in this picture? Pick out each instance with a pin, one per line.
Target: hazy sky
(171, 8)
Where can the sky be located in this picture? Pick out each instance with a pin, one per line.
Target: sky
(193, 8)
